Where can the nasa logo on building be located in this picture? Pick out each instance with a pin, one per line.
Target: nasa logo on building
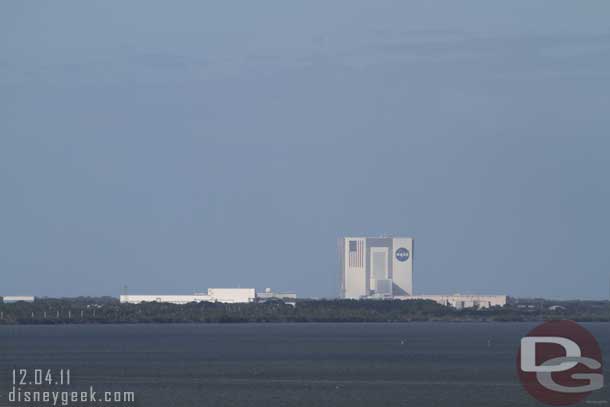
(402, 254)
(560, 363)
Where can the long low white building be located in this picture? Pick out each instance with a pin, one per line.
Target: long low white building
(225, 295)
(230, 295)
(173, 299)
(17, 298)
(463, 300)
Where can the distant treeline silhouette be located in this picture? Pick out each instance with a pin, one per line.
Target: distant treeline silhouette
(108, 310)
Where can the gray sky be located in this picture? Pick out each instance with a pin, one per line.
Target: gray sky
(183, 145)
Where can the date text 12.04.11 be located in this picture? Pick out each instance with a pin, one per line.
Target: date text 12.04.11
(25, 377)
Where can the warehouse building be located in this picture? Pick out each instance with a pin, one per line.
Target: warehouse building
(460, 301)
(224, 295)
(269, 295)
(17, 298)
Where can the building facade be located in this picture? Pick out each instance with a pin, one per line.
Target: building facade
(172, 299)
(460, 301)
(17, 298)
(225, 295)
(376, 267)
(232, 295)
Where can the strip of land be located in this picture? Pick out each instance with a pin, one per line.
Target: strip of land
(104, 310)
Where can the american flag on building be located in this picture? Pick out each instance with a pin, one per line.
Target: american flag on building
(356, 253)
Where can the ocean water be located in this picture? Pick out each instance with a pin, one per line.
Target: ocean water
(368, 364)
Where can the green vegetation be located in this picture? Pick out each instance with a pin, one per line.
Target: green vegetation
(109, 310)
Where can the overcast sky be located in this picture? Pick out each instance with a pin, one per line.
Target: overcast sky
(176, 146)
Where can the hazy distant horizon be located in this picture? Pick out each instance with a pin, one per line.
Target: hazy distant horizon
(196, 145)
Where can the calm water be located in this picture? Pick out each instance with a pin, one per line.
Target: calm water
(419, 364)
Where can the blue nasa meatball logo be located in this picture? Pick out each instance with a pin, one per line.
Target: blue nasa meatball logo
(402, 254)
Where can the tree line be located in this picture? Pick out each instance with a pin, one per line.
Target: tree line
(84, 310)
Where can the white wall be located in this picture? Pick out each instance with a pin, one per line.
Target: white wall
(464, 301)
(355, 277)
(227, 295)
(232, 295)
(15, 298)
(174, 299)
(402, 271)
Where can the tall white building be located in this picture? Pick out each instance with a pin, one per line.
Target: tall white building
(376, 267)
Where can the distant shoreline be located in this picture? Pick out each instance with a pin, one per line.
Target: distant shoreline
(490, 322)
(86, 311)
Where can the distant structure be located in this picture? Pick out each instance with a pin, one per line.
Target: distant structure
(224, 295)
(269, 295)
(16, 298)
(460, 301)
(376, 267)
(382, 268)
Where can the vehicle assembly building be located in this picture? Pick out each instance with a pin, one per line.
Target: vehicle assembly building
(378, 267)
(382, 268)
